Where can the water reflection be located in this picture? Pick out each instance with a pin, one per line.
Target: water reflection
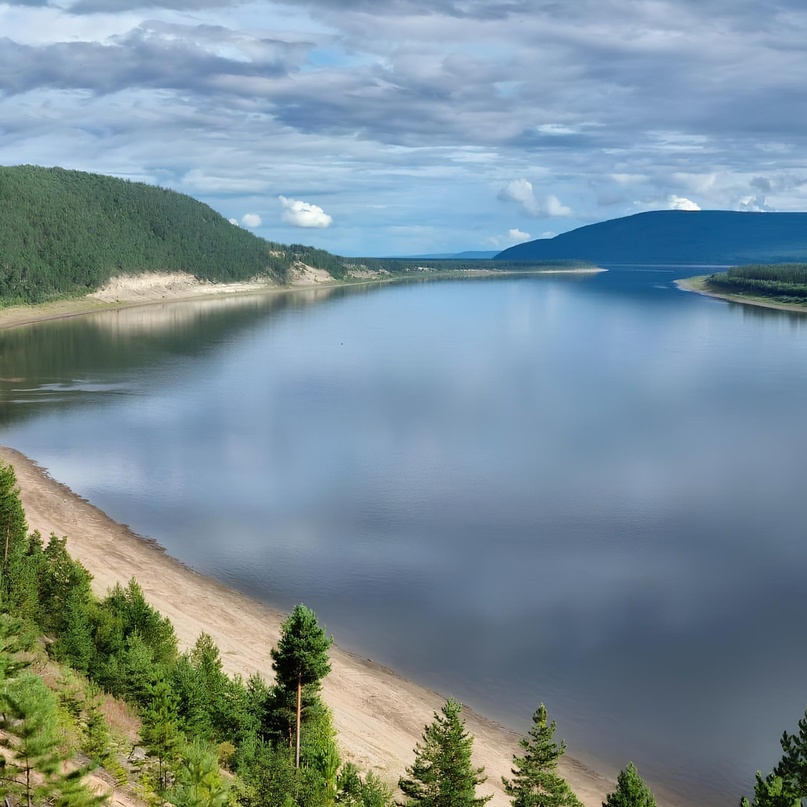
(579, 491)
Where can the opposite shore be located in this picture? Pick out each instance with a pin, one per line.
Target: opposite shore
(699, 286)
(378, 714)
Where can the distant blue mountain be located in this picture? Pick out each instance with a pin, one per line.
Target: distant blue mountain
(716, 237)
(470, 255)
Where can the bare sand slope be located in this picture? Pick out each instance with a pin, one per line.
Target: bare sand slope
(378, 714)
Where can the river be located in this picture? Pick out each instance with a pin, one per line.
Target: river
(586, 491)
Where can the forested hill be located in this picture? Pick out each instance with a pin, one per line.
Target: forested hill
(65, 232)
(678, 237)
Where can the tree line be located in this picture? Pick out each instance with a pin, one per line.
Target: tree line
(209, 739)
(67, 233)
(784, 281)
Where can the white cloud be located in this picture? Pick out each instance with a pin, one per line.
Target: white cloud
(251, 220)
(304, 214)
(518, 237)
(554, 207)
(521, 191)
(681, 203)
(233, 221)
(754, 204)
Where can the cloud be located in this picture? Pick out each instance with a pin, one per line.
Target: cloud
(521, 191)
(304, 214)
(681, 203)
(251, 220)
(428, 106)
(755, 204)
(517, 237)
(233, 221)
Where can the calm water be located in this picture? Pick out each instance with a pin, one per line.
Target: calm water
(587, 492)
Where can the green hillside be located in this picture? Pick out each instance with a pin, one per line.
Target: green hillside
(678, 237)
(67, 232)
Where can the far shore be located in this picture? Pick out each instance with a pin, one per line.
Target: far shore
(698, 285)
(379, 715)
(132, 291)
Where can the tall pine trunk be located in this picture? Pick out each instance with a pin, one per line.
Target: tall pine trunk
(299, 703)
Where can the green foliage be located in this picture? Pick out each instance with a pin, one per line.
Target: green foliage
(18, 583)
(134, 645)
(33, 765)
(198, 780)
(270, 779)
(159, 730)
(630, 791)
(772, 791)
(11, 645)
(13, 527)
(786, 786)
(96, 741)
(353, 791)
(792, 768)
(442, 774)
(301, 655)
(536, 782)
(67, 232)
(780, 281)
(300, 661)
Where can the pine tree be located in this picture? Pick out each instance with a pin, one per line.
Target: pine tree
(13, 526)
(772, 791)
(159, 730)
(198, 779)
(33, 763)
(96, 741)
(301, 659)
(630, 791)
(536, 782)
(442, 774)
(786, 786)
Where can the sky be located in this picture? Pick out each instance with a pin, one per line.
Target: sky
(402, 127)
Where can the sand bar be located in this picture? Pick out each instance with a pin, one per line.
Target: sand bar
(698, 285)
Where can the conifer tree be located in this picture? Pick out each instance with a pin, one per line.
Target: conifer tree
(786, 786)
(772, 791)
(442, 774)
(33, 763)
(301, 659)
(631, 791)
(159, 730)
(536, 782)
(198, 779)
(13, 526)
(96, 740)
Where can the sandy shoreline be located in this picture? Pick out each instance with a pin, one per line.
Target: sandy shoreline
(378, 714)
(696, 285)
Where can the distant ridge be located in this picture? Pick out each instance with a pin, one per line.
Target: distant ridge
(678, 237)
(472, 255)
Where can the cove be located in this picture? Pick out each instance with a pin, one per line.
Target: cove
(581, 491)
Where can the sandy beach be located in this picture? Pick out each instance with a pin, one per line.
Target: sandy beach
(379, 715)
